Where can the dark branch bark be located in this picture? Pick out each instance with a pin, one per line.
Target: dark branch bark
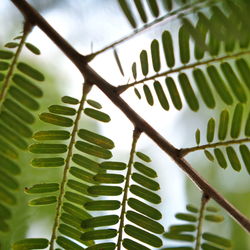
(92, 77)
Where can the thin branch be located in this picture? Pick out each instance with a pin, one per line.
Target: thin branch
(111, 92)
(184, 151)
(26, 30)
(184, 10)
(204, 200)
(86, 88)
(136, 135)
(124, 87)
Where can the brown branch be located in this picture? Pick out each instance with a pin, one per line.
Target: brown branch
(124, 87)
(91, 76)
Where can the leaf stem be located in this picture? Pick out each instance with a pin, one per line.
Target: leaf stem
(86, 89)
(124, 87)
(185, 151)
(204, 199)
(136, 135)
(184, 10)
(6, 84)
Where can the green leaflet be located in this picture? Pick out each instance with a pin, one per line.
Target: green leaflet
(30, 71)
(102, 205)
(12, 137)
(100, 221)
(15, 124)
(212, 209)
(118, 61)
(99, 234)
(236, 121)
(94, 104)
(43, 201)
(214, 218)
(137, 93)
(155, 54)
(141, 11)
(71, 220)
(161, 95)
(209, 156)
(152, 4)
(69, 100)
(23, 98)
(42, 188)
(97, 139)
(7, 197)
(82, 175)
(5, 213)
(86, 163)
(4, 66)
(245, 154)
(109, 178)
(216, 239)
(198, 136)
(78, 186)
(184, 45)
(103, 246)
(182, 228)
(98, 115)
(204, 88)
(145, 222)
(33, 48)
(234, 82)
(192, 208)
(174, 94)
(134, 70)
(247, 127)
(168, 48)
(9, 166)
(67, 244)
(32, 243)
(56, 120)
(145, 194)
(2, 76)
(145, 182)
(4, 227)
(93, 150)
(51, 135)
(7, 150)
(143, 156)
(127, 11)
(143, 236)
(62, 110)
(148, 95)
(145, 170)
(210, 130)
(113, 165)
(144, 62)
(8, 181)
(105, 190)
(42, 148)
(47, 162)
(76, 198)
(223, 125)
(5, 54)
(144, 209)
(219, 85)
(186, 217)
(11, 45)
(220, 157)
(132, 245)
(20, 112)
(179, 237)
(188, 92)
(76, 211)
(244, 71)
(206, 246)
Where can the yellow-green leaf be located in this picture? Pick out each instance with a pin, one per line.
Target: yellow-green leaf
(99, 234)
(42, 148)
(161, 95)
(70, 100)
(102, 205)
(236, 121)
(155, 54)
(47, 162)
(43, 201)
(61, 110)
(105, 190)
(220, 157)
(33, 48)
(184, 45)
(245, 154)
(56, 119)
(168, 48)
(145, 170)
(100, 221)
(144, 62)
(210, 130)
(31, 243)
(113, 165)
(30, 71)
(109, 178)
(223, 125)
(42, 188)
(173, 91)
(98, 115)
(51, 135)
(148, 94)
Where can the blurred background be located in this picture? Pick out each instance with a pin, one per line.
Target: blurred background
(90, 25)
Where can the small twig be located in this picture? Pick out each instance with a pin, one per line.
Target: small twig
(124, 87)
(185, 151)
